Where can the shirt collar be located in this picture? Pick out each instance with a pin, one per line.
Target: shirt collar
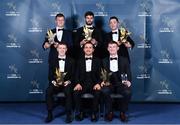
(116, 56)
(63, 57)
(88, 26)
(116, 30)
(59, 28)
(88, 56)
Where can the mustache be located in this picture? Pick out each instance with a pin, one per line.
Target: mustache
(89, 23)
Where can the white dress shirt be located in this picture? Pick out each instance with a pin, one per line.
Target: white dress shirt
(62, 64)
(88, 64)
(59, 33)
(115, 37)
(114, 64)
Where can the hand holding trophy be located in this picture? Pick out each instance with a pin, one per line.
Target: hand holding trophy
(59, 78)
(87, 33)
(105, 76)
(50, 36)
(124, 80)
(124, 35)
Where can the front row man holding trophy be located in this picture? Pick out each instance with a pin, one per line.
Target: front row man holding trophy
(119, 81)
(90, 74)
(61, 77)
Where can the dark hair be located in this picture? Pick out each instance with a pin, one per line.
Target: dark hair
(62, 43)
(59, 15)
(88, 43)
(89, 13)
(114, 17)
(113, 42)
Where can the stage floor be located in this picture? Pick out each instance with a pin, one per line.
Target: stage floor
(35, 113)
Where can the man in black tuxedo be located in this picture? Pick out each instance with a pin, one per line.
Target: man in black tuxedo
(119, 81)
(63, 64)
(80, 37)
(115, 34)
(60, 35)
(87, 81)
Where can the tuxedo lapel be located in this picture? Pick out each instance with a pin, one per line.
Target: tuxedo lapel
(108, 63)
(57, 63)
(119, 66)
(54, 30)
(63, 36)
(110, 35)
(83, 65)
(93, 64)
(55, 38)
(66, 65)
(119, 34)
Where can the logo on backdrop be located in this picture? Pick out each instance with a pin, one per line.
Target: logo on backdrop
(35, 26)
(145, 7)
(164, 88)
(56, 8)
(35, 58)
(143, 72)
(100, 10)
(144, 42)
(12, 41)
(165, 57)
(35, 88)
(12, 9)
(167, 24)
(13, 72)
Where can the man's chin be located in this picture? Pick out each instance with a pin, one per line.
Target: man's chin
(89, 24)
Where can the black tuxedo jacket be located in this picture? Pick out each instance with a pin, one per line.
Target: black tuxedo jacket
(80, 36)
(81, 71)
(123, 51)
(69, 69)
(66, 37)
(123, 67)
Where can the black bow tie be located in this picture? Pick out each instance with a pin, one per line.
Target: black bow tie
(91, 28)
(88, 58)
(114, 32)
(113, 58)
(63, 59)
(60, 29)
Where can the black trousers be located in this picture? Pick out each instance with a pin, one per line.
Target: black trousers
(52, 90)
(78, 100)
(120, 89)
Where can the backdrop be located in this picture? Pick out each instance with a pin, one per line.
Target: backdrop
(155, 28)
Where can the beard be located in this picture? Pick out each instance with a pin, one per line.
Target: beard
(89, 23)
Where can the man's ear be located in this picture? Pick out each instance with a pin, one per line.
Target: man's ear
(93, 49)
(108, 48)
(118, 48)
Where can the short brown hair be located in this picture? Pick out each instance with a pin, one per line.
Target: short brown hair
(59, 15)
(89, 13)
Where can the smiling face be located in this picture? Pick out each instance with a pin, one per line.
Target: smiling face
(113, 48)
(88, 49)
(89, 19)
(60, 21)
(62, 49)
(113, 24)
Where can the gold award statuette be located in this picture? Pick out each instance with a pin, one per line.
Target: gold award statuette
(50, 36)
(87, 33)
(59, 77)
(124, 35)
(105, 76)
